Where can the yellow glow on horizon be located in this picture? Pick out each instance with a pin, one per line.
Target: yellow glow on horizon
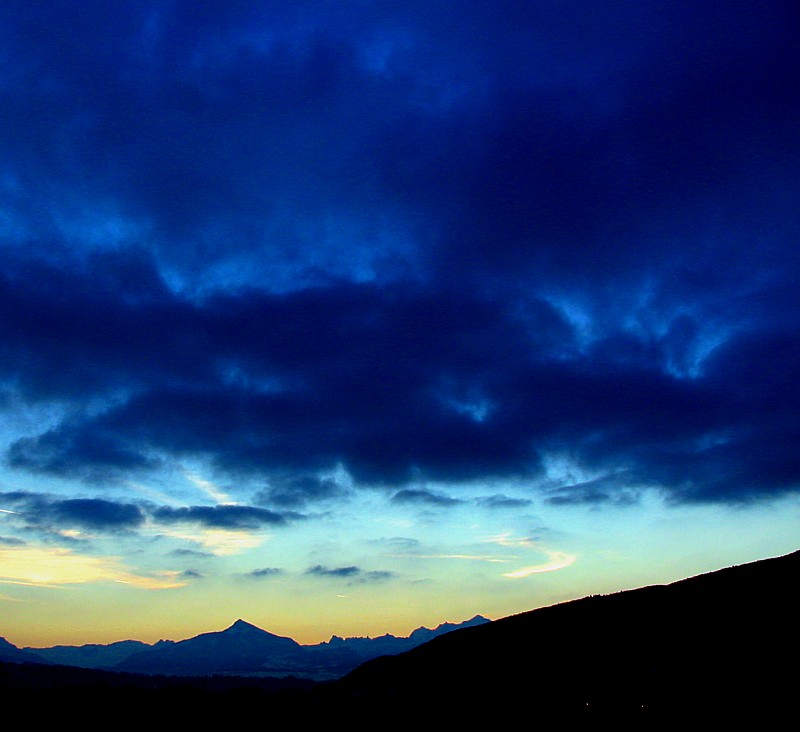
(56, 567)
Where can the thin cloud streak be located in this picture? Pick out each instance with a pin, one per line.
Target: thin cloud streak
(558, 560)
(208, 488)
(6, 598)
(464, 557)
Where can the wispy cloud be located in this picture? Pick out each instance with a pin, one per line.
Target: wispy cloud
(466, 557)
(207, 487)
(218, 542)
(11, 541)
(556, 560)
(508, 539)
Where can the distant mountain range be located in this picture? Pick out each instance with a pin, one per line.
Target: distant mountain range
(241, 649)
(714, 651)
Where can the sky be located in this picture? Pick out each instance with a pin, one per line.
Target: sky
(351, 317)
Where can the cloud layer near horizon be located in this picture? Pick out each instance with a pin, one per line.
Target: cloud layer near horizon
(291, 238)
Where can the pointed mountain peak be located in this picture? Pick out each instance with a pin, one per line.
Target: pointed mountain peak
(240, 626)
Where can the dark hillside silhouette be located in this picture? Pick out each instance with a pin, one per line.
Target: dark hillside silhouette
(719, 645)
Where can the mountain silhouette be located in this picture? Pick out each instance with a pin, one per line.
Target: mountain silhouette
(241, 626)
(241, 648)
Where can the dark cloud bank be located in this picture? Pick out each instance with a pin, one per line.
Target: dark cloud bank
(351, 573)
(413, 242)
(49, 512)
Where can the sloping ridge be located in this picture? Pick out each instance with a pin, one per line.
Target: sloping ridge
(9, 652)
(718, 644)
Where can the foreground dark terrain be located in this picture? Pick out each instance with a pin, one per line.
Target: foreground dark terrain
(717, 647)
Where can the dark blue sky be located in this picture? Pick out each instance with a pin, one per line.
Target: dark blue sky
(326, 250)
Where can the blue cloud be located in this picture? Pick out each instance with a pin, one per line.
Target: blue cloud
(221, 517)
(264, 572)
(352, 573)
(422, 496)
(288, 240)
(47, 511)
(500, 501)
(321, 571)
(11, 541)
